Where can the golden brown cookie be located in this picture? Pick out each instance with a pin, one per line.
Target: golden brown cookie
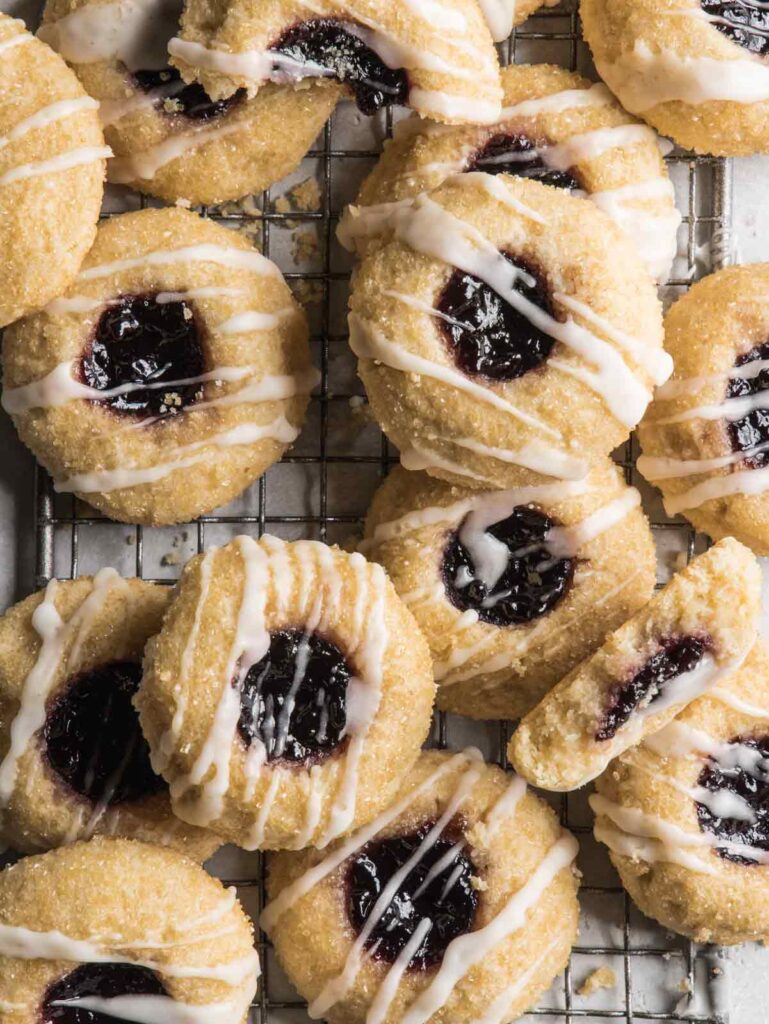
(287, 694)
(458, 904)
(52, 158)
(511, 588)
(119, 929)
(170, 376)
(691, 635)
(686, 815)
(73, 761)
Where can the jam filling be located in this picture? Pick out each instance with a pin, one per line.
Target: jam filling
(295, 699)
(93, 740)
(144, 343)
(532, 584)
(516, 154)
(752, 789)
(445, 897)
(675, 656)
(752, 430)
(486, 336)
(745, 23)
(104, 981)
(333, 48)
(190, 101)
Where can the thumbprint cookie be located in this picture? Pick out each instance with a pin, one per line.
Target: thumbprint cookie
(458, 903)
(169, 138)
(512, 588)
(113, 930)
(73, 761)
(505, 326)
(502, 16)
(692, 635)
(442, 65)
(695, 69)
(287, 693)
(686, 815)
(705, 437)
(170, 376)
(557, 128)
(52, 160)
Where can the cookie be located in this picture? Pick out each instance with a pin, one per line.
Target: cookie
(73, 761)
(170, 376)
(686, 815)
(691, 68)
(287, 694)
(503, 15)
(505, 327)
(52, 159)
(689, 637)
(557, 128)
(90, 931)
(443, 66)
(705, 437)
(169, 138)
(511, 588)
(457, 904)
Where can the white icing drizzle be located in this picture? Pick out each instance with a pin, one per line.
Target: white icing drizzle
(746, 481)
(146, 1009)
(206, 252)
(726, 696)
(678, 739)
(596, 143)
(557, 102)
(499, 1010)
(449, 18)
(498, 190)
(17, 40)
(46, 116)
(730, 409)
(535, 455)
(144, 164)
(255, 320)
(500, 17)
(566, 541)
(691, 385)
(63, 162)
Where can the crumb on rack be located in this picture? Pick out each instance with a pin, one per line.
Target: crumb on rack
(305, 248)
(302, 198)
(307, 293)
(170, 558)
(601, 977)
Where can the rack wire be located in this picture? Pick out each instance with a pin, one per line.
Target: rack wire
(322, 490)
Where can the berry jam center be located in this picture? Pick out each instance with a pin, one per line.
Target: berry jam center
(752, 430)
(324, 45)
(488, 337)
(100, 981)
(746, 777)
(530, 583)
(152, 351)
(675, 657)
(295, 699)
(743, 21)
(515, 153)
(191, 101)
(438, 891)
(93, 740)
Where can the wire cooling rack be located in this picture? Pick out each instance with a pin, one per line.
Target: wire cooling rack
(322, 490)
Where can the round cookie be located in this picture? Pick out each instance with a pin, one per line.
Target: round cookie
(87, 929)
(511, 588)
(557, 128)
(502, 16)
(52, 159)
(287, 694)
(73, 761)
(705, 437)
(457, 904)
(695, 69)
(686, 815)
(505, 326)
(171, 375)
(692, 634)
(169, 139)
(385, 53)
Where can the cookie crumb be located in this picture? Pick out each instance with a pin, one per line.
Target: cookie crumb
(170, 558)
(130, 540)
(184, 203)
(478, 883)
(601, 977)
(307, 293)
(305, 247)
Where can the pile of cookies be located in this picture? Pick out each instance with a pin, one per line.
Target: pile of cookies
(505, 318)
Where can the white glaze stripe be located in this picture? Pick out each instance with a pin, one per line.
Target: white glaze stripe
(46, 116)
(223, 256)
(14, 41)
(146, 1009)
(499, 1011)
(63, 162)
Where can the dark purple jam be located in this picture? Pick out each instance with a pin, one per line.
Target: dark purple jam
(105, 981)
(675, 656)
(751, 783)
(93, 740)
(532, 584)
(488, 337)
(149, 344)
(190, 101)
(516, 154)
(752, 430)
(745, 22)
(336, 49)
(440, 893)
(295, 699)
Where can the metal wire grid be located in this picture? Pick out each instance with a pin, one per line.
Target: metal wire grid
(68, 534)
